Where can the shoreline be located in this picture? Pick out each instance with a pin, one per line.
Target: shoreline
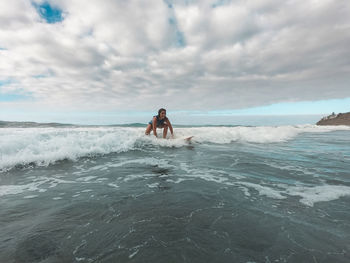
(335, 120)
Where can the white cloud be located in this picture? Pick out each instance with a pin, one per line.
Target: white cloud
(132, 55)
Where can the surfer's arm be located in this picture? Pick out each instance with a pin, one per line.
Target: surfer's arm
(170, 127)
(154, 126)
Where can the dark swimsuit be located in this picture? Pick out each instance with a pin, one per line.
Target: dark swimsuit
(159, 122)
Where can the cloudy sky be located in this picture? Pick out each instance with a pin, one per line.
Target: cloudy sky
(115, 57)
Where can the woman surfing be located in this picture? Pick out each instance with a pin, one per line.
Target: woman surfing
(160, 121)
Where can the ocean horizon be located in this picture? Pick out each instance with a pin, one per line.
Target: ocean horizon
(177, 121)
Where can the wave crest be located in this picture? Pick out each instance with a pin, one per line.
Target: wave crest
(45, 146)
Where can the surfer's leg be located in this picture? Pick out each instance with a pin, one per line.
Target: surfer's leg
(165, 131)
(148, 129)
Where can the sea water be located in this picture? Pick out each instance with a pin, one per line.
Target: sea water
(231, 194)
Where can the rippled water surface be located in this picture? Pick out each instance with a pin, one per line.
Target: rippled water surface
(234, 194)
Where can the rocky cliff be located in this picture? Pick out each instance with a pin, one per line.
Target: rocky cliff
(335, 119)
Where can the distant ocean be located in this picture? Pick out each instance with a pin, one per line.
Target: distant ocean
(232, 194)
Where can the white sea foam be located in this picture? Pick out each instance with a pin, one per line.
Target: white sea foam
(263, 190)
(311, 195)
(154, 185)
(44, 146)
(148, 161)
(16, 189)
(113, 185)
(30, 196)
(39, 184)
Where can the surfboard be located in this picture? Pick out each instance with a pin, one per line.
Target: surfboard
(188, 139)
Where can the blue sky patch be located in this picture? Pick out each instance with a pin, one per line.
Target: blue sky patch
(40, 76)
(180, 39)
(168, 3)
(288, 108)
(5, 82)
(12, 97)
(221, 3)
(49, 13)
(179, 36)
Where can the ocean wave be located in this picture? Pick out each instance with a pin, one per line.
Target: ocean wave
(45, 146)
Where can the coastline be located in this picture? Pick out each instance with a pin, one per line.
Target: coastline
(177, 121)
(335, 119)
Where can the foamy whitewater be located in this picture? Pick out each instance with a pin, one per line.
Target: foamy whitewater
(231, 194)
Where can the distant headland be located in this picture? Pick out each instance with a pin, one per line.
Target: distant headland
(31, 124)
(335, 119)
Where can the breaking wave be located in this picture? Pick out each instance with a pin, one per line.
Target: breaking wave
(45, 146)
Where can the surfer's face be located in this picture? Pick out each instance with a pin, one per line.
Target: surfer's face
(162, 115)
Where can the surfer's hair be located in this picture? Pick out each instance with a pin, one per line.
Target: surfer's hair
(160, 110)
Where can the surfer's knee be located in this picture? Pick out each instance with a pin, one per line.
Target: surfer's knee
(148, 129)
